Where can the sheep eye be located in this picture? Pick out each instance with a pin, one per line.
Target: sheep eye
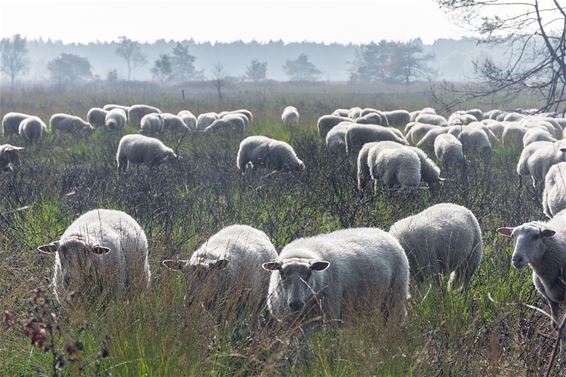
(536, 236)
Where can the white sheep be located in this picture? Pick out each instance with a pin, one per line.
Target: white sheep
(139, 149)
(395, 167)
(326, 122)
(173, 123)
(427, 141)
(270, 153)
(11, 123)
(151, 124)
(112, 106)
(435, 119)
(9, 157)
(417, 131)
(477, 113)
(495, 127)
(189, 119)
(66, 123)
(336, 137)
(538, 157)
(229, 263)
(102, 250)
(371, 118)
(327, 275)
(206, 119)
(234, 125)
(354, 112)
(96, 117)
(137, 112)
(513, 134)
(541, 246)
(290, 117)
(448, 150)
(443, 239)
(342, 113)
(492, 114)
(536, 134)
(32, 129)
(116, 119)
(397, 118)
(554, 193)
(247, 113)
(513, 117)
(359, 134)
(474, 141)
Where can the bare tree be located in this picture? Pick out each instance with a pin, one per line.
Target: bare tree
(219, 76)
(256, 71)
(533, 32)
(131, 52)
(13, 53)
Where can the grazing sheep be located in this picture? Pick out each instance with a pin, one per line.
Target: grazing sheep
(189, 119)
(537, 158)
(336, 271)
(537, 122)
(359, 134)
(336, 138)
(137, 112)
(414, 115)
(428, 110)
(290, 117)
(206, 119)
(474, 141)
(417, 131)
(513, 117)
(395, 167)
(541, 246)
(32, 129)
(102, 249)
(326, 122)
(139, 149)
(270, 153)
(66, 123)
(442, 239)
(354, 112)
(231, 125)
(492, 114)
(554, 194)
(370, 118)
(435, 119)
(115, 119)
(9, 157)
(248, 114)
(151, 124)
(173, 123)
(241, 118)
(397, 118)
(536, 134)
(112, 106)
(495, 127)
(228, 263)
(341, 113)
(427, 141)
(513, 134)
(448, 150)
(476, 113)
(461, 118)
(11, 123)
(96, 117)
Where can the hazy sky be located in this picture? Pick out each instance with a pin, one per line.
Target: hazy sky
(357, 21)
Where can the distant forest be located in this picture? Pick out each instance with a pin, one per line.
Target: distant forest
(450, 60)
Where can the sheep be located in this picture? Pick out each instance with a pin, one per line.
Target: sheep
(173, 123)
(448, 150)
(476, 113)
(241, 118)
(228, 263)
(537, 158)
(554, 193)
(443, 239)
(395, 167)
(512, 136)
(336, 138)
(537, 122)
(151, 124)
(9, 157)
(413, 115)
(461, 118)
(290, 117)
(427, 141)
(66, 123)
(112, 106)
(359, 134)
(137, 112)
(115, 119)
(231, 125)
(495, 127)
(342, 113)
(206, 119)
(189, 119)
(501, 116)
(435, 119)
(11, 123)
(326, 122)
(536, 134)
(354, 112)
(248, 114)
(139, 149)
(103, 249)
(370, 118)
(492, 114)
(428, 110)
(270, 153)
(333, 272)
(397, 118)
(474, 141)
(32, 129)
(96, 117)
(417, 131)
(541, 245)
(513, 117)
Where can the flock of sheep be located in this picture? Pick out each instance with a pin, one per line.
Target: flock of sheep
(318, 275)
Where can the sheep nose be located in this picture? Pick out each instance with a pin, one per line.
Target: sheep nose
(296, 306)
(518, 261)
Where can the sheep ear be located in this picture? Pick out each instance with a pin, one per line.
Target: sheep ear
(505, 231)
(175, 265)
(219, 264)
(100, 250)
(49, 248)
(12, 149)
(319, 265)
(272, 266)
(547, 233)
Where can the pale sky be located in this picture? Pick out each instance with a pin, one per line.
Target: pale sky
(357, 21)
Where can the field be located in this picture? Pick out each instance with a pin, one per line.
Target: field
(182, 204)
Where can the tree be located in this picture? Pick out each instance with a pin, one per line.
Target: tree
(69, 69)
(256, 71)
(13, 53)
(162, 68)
(535, 35)
(112, 76)
(130, 51)
(407, 62)
(372, 62)
(219, 76)
(182, 64)
(301, 69)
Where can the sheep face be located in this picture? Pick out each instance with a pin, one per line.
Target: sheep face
(169, 155)
(295, 283)
(529, 243)
(298, 166)
(77, 259)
